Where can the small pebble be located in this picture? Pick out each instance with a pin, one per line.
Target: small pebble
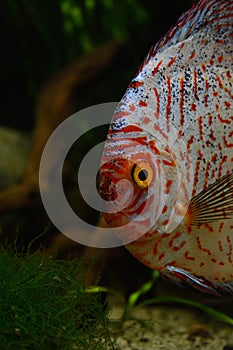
(198, 330)
(144, 340)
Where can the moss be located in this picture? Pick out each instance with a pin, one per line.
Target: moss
(43, 306)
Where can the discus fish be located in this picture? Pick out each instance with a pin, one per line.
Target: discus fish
(171, 141)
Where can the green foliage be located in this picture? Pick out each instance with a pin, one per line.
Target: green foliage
(144, 288)
(38, 38)
(96, 21)
(48, 34)
(204, 308)
(132, 302)
(43, 306)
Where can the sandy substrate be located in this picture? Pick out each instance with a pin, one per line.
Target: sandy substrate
(173, 328)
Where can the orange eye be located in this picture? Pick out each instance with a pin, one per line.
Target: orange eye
(142, 174)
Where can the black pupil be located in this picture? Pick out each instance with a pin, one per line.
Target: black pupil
(143, 175)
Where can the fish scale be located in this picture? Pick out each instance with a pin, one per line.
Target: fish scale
(179, 107)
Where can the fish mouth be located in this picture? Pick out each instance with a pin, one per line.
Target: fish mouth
(105, 187)
(117, 219)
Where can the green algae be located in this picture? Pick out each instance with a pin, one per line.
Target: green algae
(44, 306)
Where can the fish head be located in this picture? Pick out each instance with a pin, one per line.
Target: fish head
(130, 181)
(142, 180)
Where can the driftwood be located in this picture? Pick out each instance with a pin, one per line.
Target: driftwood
(53, 105)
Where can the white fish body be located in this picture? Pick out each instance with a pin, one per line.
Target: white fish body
(181, 100)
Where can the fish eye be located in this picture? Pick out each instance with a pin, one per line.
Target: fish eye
(142, 174)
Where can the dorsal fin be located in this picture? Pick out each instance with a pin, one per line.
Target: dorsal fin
(201, 14)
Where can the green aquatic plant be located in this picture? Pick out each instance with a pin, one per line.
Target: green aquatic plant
(132, 301)
(43, 306)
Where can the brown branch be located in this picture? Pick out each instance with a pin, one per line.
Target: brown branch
(54, 104)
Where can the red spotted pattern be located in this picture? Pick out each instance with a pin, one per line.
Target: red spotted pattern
(183, 91)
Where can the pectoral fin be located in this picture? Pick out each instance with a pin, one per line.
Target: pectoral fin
(214, 203)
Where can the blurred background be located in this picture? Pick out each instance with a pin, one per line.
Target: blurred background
(39, 38)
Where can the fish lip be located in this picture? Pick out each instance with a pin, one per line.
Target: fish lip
(116, 220)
